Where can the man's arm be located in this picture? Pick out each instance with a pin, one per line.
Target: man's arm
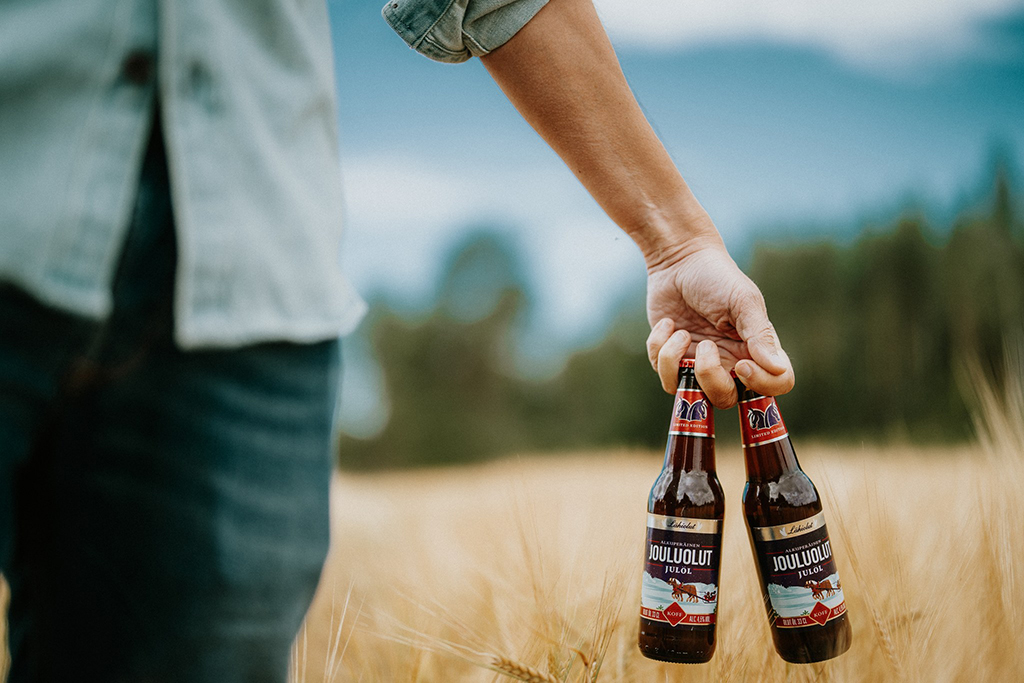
(561, 73)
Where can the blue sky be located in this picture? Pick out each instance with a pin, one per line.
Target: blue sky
(785, 116)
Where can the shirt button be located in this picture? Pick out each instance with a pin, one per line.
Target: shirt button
(137, 67)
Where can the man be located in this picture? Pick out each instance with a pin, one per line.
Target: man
(171, 301)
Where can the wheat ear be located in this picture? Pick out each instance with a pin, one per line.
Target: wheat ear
(521, 672)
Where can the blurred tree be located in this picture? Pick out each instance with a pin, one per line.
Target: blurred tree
(804, 287)
(891, 363)
(481, 271)
(608, 395)
(983, 279)
(450, 398)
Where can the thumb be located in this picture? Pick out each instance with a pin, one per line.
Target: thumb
(757, 331)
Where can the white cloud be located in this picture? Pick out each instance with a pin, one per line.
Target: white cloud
(868, 31)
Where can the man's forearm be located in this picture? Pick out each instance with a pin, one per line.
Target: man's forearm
(561, 73)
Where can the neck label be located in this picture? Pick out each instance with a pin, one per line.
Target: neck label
(761, 422)
(692, 415)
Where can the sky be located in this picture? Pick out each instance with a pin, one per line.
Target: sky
(789, 117)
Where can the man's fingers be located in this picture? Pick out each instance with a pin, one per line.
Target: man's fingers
(716, 383)
(659, 335)
(755, 377)
(767, 352)
(757, 331)
(671, 352)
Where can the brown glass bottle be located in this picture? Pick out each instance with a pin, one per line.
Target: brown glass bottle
(799, 581)
(679, 596)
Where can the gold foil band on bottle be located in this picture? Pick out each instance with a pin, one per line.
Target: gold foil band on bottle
(789, 530)
(688, 525)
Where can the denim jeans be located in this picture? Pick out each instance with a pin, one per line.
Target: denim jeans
(163, 514)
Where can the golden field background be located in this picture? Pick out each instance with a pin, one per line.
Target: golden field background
(533, 565)
(536, 562)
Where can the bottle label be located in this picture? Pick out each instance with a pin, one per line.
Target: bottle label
(680, 583)
(761, 422)
(692, 415)
(799, 573)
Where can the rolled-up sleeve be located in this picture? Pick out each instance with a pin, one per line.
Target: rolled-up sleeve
(455, 30)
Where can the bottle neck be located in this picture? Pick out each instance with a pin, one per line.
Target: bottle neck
(770, 461)
(691, 434)
(690, 453)
(767, 451)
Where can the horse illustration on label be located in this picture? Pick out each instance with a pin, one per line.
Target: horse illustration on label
(683, 591)
(691, 412)
(764, 419)
(686, 592)
(820, 589)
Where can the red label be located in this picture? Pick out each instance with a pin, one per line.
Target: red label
(760, 421)
(692, 415)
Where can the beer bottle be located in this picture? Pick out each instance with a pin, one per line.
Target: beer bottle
(679, 595)
(799, 581)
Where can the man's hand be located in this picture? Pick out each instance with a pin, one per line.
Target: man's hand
(701, 305)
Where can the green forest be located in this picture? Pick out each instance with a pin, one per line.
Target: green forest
(880, 329)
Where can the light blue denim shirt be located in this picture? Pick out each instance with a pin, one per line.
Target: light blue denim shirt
(455, 30)
(246, 92)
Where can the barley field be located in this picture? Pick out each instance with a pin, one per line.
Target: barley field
(529, 569)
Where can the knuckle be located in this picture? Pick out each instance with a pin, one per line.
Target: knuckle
(750, 298)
